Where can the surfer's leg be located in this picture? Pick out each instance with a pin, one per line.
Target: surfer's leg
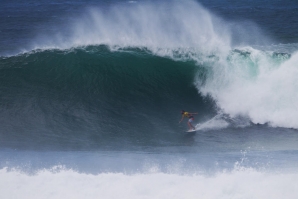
(190, 125)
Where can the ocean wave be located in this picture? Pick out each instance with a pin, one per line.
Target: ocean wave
(98, 89)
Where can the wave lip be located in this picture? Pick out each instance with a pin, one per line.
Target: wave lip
(257, 84)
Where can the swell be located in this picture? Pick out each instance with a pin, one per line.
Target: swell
(92, 96)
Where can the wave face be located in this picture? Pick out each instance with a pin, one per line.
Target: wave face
(93, 92)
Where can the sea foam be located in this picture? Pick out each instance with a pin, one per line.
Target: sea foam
(65, 183)
(256, 84)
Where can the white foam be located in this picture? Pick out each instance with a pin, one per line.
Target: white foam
(215, 123)
(237, 184)
(259, 86)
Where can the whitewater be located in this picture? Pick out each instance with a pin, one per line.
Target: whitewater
(91, 93)
(67, 183)
(143, 176)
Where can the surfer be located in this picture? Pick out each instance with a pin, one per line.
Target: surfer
(190, 120)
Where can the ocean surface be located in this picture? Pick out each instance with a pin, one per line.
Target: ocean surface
(91, 93)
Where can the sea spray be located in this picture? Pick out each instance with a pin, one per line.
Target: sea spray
(167, 25)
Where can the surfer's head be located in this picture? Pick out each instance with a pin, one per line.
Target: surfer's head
(182, 111)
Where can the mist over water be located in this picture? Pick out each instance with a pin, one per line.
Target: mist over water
(166, 25)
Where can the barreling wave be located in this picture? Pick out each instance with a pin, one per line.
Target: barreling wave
(93, 94)
(127, 71)
(237, 65)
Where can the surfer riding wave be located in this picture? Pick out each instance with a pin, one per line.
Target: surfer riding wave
(190, 120)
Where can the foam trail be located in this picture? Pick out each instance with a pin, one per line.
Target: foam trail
(215, 123)
(240, 183)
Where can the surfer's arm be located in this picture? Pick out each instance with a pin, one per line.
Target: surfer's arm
(193, 113)
(181, 118)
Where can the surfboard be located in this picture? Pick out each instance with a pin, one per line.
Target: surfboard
(191, 131)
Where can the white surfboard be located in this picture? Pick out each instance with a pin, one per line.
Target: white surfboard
(191, 131)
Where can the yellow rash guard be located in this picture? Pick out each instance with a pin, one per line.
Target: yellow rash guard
(186, 114)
